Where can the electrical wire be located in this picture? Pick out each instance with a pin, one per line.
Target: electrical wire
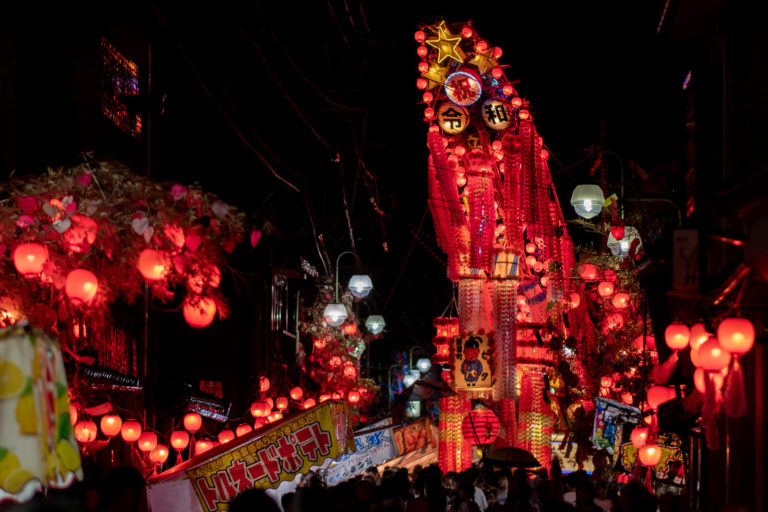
(405, 262)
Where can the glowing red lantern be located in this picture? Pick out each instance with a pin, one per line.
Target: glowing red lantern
(350, 329)
(153, 264)
(736, 335)
(676, 335)
(575, 300)
(85, 431)
(111, 424)
(296, 393)
(309, 403)
(179, 440)
(480, 426)
(639, 436)
(243, 429)
(29, 258)
(334, 362)
(429, 112)
(699, 335)
(588, 271)
(353, 397)
(263, 384)
(496, 73)
(260, 409)
(466, 32)
(350, 372)
(620, 300)
(199, 312)
(713, 356)
(650, 454)
(423, 67)
(193, 422)
(131, 431)
(422, 51)
(420, 36)
(81, 286)
(203, 446)
(523, 114)
(617, 231)
(159, 455)
(147, 441)
(325, 397)
(427, 97)
(421, 83)
(606, 381)
(274, 416)
(225, 436)
(507, 90)
(657, 395)
(72, 414)
(605, 289)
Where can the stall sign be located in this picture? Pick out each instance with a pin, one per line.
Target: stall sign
(610, 418)
(373, 447)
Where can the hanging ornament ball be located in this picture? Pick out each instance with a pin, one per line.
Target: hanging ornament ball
(452, 118)
(111, 424)
(159, 455)
(617, 231)
(676, 335)
(497, 52)
(153, 264)
(605, 289)
(496, 115)
(309, 403)
(29, 258)
(179, 440)
(481, 46)
(422, 51)
(620, 300)
(199, 312)
(81, 286)
(713, 356)
(524, 114)
(507, 90)
(72, 414)
(130, 431)
(463, 88)
(736, 335)
(544, 154)
(85, 431)
(193, 422)
(466, 32)
(650, 454)
(260, 409)
(419, 36)
(353, 397)
(147, 441)
(497, 73)
(588, 271)
(423, 67)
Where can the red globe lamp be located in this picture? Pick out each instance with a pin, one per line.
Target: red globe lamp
(575, 300)
(713, 356)
(588, 271)
(309, 403)
(199, 312)
(29, 258)
(81, 286)
(296, 393)
(620, 300)
(192, 422)
(650, 454)
(226, 436)
(736, 335)
(159, 454)
(657, 395)
(353, 397)
(260, 409)
(281, 403)
(203, 446)
(85, 431)
(111, 424)
(605, 289)
(130, 431)
(677, 335)
(243, 429)
(153, 264)
(179, 440)
(639, 436)
(147, 441)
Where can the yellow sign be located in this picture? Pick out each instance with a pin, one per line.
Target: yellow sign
(471, 363)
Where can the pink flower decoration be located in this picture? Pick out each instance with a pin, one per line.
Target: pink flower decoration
(27, 204)
(178, 192)
(25, 221)
(85, 179)
(255, 237)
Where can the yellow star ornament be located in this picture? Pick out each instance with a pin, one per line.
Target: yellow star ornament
(484, 61)
(435, 75)
(446, 45)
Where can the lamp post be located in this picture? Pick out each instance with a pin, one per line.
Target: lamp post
(410, 359)
(360, 285)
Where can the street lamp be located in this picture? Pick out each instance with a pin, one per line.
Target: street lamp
(375, 324)
(424, 364)
(360, 285)
(587, 200)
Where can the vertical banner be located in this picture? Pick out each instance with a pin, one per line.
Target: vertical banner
(472, 362)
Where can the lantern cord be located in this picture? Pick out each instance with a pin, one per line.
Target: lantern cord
(405, 262)
(451, 307)
(213, 99)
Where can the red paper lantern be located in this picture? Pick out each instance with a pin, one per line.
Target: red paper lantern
(523, 114)
(260, 409)
(263, 384)
(617, 231)
(131, 431)
(72, 414)
(179, 440)
(650, 454)
(85, 431)
(334, 362)
(81, 286)
(422, 51)
(657, 395)
(111, 424)
(736, 335)
(226, 436)
(639, 436)
(713, 356)
(193, 422)
(606, 381)
(530, 260)
(274, 416)
(325, 397)
(243, 429)
(159, 455)
(29, 258)
(620, 300)
(203, 446)
(605, 289)
(588, 271)
(309, 403)
(496, 73)
(575, 300)
(199, 313)
(700, 379)
(350, 329)
(516, 102)
(480, 426)
(353, 397)
(281, 403)
(153, 264)
(296, 393)
(507, 90)
(699, 335)
(147, 441)
(421, 83)
(466, 32)
(676, 335)
(420, 36)
(350, 372)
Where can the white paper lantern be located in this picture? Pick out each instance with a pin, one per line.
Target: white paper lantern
(496, 115)
(452, 118)
(360, 285)
(621, 247)
(587, 200)
(375, 324)
(411, 378)
(335, 314)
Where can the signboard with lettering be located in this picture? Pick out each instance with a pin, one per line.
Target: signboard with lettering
(413, 436)
(262, 459)
(471, 362)
(610, 418)
(373, 447)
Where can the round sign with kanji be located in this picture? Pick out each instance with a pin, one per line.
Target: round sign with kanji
(452, 118)
(463, 88)
(496, 115)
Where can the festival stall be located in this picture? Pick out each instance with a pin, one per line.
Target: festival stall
(263, 459)
(374, 445)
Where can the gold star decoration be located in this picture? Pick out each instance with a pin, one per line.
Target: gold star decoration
(446, 45)
(484, 61)
(435, 75)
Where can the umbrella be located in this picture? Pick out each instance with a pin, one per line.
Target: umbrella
(513, 457)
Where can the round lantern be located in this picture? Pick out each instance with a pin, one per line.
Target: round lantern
(334, 362)
(263, 384)
(85, 431)
(621, 246)
(153, 264)
(324, 397)
(620, 300)
(353, 397)
(159, 454)
(496, 115)
(29, 258)
(575, 300)
(179, 440)
(147, 441)
(199, 312)
(274, 416)
(281, 403)
(203, 446)
(700, 379)
(605, 289)
(713, 356)
(639, 436)
(657, 395)
(736, 335)
(243, 429)
(606, 381)
(226, 436)
(587, 200)
(296, 393)
(463, 88)
(676, 335)
(480, 426)
(72, 414)
(335, 314)
(375, 324)
(452, 118)
(309, 403)
(699, 335)
(260, 409)
(81, 286)
(130, 431)
(193, 422)
(350, 329)
(111, 424)
(350, 372)
(360, 285)
(588, 271)
(650, 454)
(530, 248)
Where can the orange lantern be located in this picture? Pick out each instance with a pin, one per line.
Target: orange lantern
(350, 371)
(179, 440)
(29, 258)
(274, 416)
(650, 454)
(575, 300)
(606, 381)
(657, 395)
(353, 397)
(296, 393)
(639, 436)
(588, 271)
(605, 289)
(226, 436)
(147, 441)
(193, 422)
(130, 431)
(263, 384)
(203, 446)
(713, 356)
(159, 454)
(72, 414)
(699, 335)
(620, 300)
(199, 312)
(111, 424)
(81, 286)
(530, 260)
(530, 248)
(153, 264)
(700, 379)
(309, 403)
(325, 397)
(676, 335)
(260, 422)
(260, 409)
(242, 429)
(480, 426)
(350, 329)
(281, 403)
(736, 335)
(85, 431)
(334, 362)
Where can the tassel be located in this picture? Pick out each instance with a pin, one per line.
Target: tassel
(735, 396)
(661, 374)
(708, 414)
(649, 481)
